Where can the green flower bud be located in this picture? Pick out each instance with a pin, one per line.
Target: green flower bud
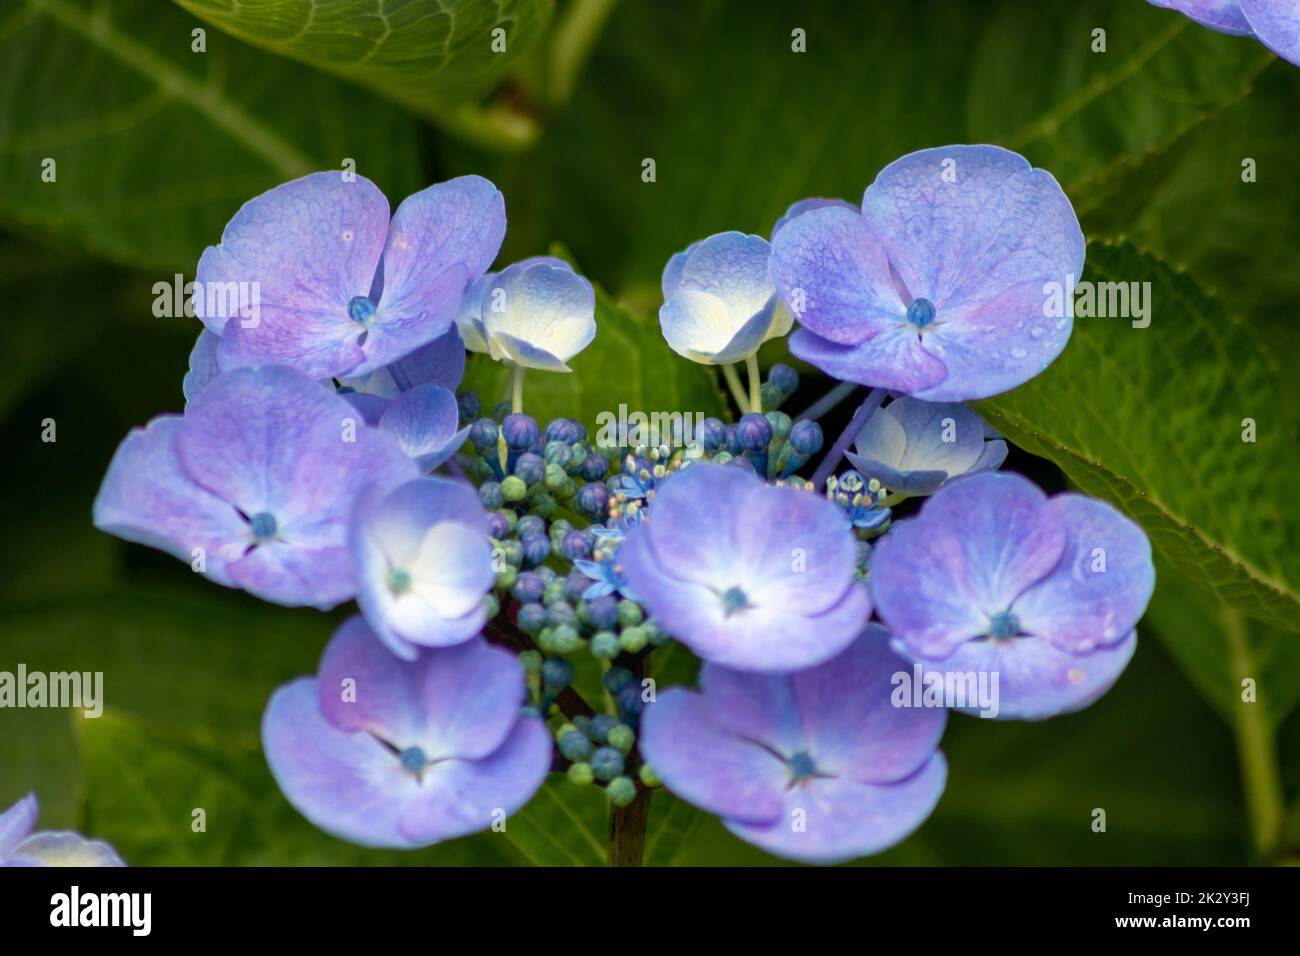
(554, 592)
(629, 613)
(513, 488)
(565, 639)
(632, 639)
(555, 476)
(580, 773)
(621, 791)
(605, 645)
(622, 738)
(781, 425)
(770, 395)
(649, 777)
(546, 641)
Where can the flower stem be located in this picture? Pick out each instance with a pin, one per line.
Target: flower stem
(1256, 751)
(627, 827)
(737, 390)
(828, 401)
(755, 383)
(517, 389)
(856, 424)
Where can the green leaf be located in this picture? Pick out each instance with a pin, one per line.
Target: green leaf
(156, 146)
(1217, 651)
(672, 825)
(627, 366)
(434, 58)
(31, 353)
(39, 754)
(1153, 419)
(740, 126)
(1101, 120)
(144, 786)
(191, 656)
(1236, 236)
(565, 824)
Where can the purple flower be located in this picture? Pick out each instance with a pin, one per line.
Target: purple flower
(1225, 16)
(336, 288)
(604, 568)
(423, 423)
(995, 577)
(1275, 23)
(389, 753)
(423, 564)
(937, 287)
(807, 205)
(719, 302)
(816, 766)
(441, 363)
(19, 846)
(914, 446)
(203, 365)
(749, 575)
(254, 485)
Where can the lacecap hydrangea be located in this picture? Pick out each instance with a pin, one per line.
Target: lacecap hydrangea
(327, 451)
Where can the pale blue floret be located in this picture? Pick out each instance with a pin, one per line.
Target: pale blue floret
(916, 447)
(1062, 632)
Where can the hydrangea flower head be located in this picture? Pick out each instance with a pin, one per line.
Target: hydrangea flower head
(817, 765)
(1275, 23)
(19, 846)
(936, 287)
(993, 576)
(342, 288)
(423, 563)
(257, 480)
(384, 752)
(914, 446)
(748, 575)
(719, 301)
(538, 313)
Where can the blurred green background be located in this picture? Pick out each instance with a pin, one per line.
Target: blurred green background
(157, 144)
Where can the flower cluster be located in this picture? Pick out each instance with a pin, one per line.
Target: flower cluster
(302, 470)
